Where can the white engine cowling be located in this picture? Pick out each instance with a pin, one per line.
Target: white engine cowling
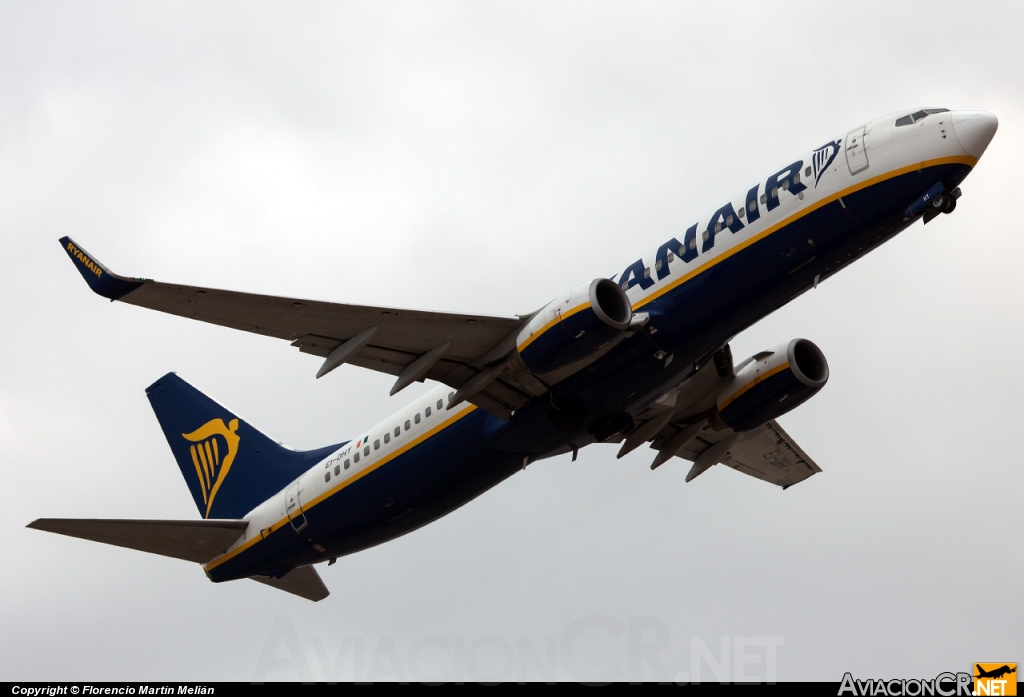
(574, 326)
(771, 384)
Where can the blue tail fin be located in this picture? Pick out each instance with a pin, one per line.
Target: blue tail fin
(229, 466)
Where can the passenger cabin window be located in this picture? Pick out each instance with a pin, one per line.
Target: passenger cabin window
(376, 443)
(337, 470)
(428, 411)
(347, 463)
(407, 425)
(355, 458)
(387, 437)
(366, 450)
(807, 172)
(439, 404)
(398, 431)
(416, 418)
(741, 211)
(327, 477)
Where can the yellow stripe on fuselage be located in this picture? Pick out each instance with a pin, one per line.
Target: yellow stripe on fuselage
(561, 315)
(969, 161)
(738, 393)
(304, 507)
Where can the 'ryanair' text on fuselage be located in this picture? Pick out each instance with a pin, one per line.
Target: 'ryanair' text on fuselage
(726, 217)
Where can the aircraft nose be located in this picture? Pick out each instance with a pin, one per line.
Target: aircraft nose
(974, 130)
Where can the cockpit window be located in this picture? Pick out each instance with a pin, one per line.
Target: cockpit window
(917, 116)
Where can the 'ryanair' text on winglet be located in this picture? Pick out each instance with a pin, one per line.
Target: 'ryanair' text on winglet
(101, 280)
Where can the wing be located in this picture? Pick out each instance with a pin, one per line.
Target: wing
(767, 453)
(191, 540)
(412, 345)
(677, 426)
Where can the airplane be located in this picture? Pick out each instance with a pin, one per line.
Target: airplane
(641, 356)
(995, 673)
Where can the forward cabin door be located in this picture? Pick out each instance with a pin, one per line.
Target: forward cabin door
(293, 508)
(856, 151)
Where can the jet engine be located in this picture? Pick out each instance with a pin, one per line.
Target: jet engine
(769, 384)
(574, 326)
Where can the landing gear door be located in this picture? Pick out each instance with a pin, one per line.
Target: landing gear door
(293, 508)
(856, 151)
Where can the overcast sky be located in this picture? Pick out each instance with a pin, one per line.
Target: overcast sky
(484, 157)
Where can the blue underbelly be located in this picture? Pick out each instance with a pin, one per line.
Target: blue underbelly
(691, 321)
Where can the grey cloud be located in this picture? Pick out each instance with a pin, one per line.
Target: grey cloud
(484, 157)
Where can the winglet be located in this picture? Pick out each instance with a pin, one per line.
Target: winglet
(101, 280)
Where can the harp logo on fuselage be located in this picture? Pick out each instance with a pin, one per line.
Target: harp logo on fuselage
(213, 450)
(822, 158)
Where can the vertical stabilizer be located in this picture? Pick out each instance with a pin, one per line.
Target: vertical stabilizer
(229, 466)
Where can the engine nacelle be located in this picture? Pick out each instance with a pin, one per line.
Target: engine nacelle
(574, 326)
(771, 384)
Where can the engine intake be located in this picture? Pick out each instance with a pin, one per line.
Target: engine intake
(770, 384)
(574, 326)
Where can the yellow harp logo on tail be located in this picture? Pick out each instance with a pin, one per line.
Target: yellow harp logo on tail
(211, 464)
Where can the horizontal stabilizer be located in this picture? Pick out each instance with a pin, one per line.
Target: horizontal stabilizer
(191, 540)
(304, 582)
